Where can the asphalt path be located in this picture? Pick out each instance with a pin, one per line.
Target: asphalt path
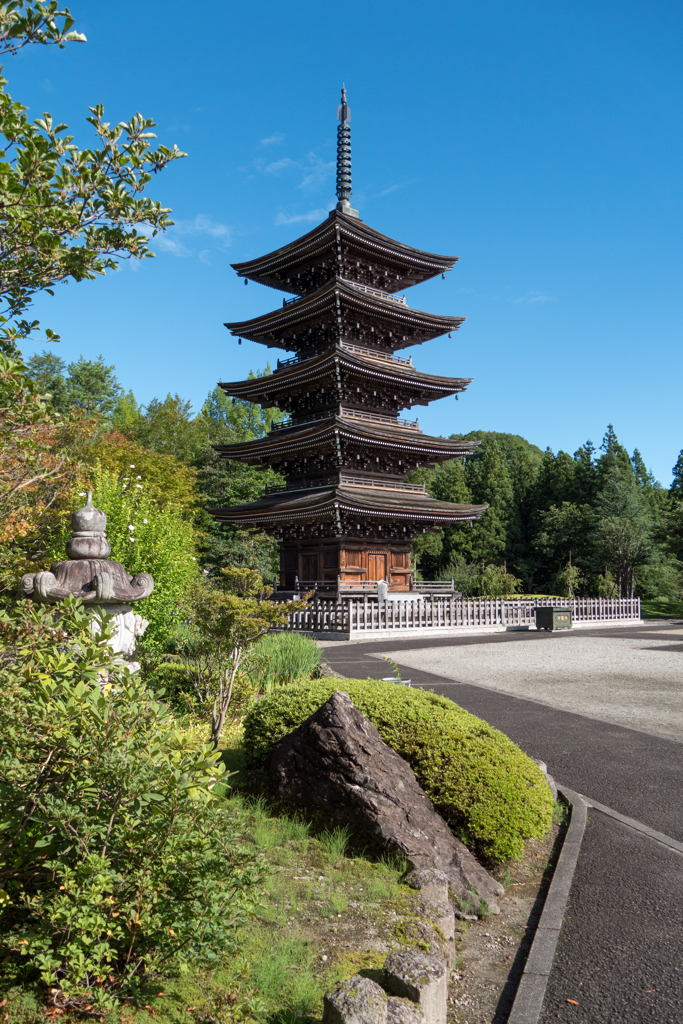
(622, 941)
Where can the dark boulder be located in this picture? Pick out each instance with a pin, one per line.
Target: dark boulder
(337, 765)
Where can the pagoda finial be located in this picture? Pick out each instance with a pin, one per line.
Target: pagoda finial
(344, 157)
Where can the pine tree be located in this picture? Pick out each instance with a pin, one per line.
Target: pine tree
(47, 370)
(676, 489)
(92, 386)
(585, 474)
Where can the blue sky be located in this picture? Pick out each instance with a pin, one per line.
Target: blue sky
(540, 143)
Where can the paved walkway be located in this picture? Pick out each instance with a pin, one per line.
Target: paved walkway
(623, 933)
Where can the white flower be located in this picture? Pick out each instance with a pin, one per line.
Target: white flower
(131, 467)
(194, 559)
(81, 494)
(131, 539)
(125, 486)
(144, 520)
(139, 477)
(130, 527)
(139, 486)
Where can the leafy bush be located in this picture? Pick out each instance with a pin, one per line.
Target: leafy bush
(145, 536)
(116, 860)
(283, 658)
(491, 794)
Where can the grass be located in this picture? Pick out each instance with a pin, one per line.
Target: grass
(661, 608)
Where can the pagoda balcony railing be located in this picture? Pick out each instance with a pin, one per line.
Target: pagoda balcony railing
(387, 485)
(400, 299)
(349, 346)
(355, 414)
(349, 480)
(405, 360)
(377, 417)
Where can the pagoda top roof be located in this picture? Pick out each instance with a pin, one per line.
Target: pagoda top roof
(409, 266)
(285, 327)
(318, 504)
(353, 427)
(316, 368)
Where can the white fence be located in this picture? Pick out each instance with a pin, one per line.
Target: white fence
(359, 615)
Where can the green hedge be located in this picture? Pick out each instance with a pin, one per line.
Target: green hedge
(491, 794)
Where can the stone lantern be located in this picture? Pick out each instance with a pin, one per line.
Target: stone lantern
(97, 581)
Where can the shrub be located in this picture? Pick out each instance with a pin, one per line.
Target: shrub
(283, 658)
(116, 860)
(491, 794)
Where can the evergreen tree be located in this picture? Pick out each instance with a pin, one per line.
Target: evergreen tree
(47, 371)
(676, 489)
(92, 386)
(614, 457)
(585, 475)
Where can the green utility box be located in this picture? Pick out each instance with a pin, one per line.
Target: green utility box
(553, 618)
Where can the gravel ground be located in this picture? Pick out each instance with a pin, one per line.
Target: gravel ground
(634, 683)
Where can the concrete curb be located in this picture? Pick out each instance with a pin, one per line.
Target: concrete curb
(528, 1003)
(651, 833)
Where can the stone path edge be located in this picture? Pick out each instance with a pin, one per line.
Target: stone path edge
(528, 1003)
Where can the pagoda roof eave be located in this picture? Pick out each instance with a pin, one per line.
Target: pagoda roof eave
(318, 504)
(318, 366)
(352, 428)
(262, 329)
(379, 246)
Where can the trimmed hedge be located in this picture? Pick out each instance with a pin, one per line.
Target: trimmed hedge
(491, 794)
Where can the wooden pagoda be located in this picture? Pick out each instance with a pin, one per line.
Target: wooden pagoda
(345, 517)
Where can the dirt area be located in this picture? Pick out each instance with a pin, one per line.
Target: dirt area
(490, 955)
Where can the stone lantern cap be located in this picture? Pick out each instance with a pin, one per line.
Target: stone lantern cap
(88, 574)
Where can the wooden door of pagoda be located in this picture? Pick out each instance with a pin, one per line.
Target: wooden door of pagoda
(310, 567)
(377, 566)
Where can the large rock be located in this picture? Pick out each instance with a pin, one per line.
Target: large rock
(337, 764)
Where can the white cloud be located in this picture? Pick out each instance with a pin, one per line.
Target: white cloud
(533, 298)
(296, 218)
(167, 243)
(201, 225)
(318, 171)
(281, 165)
(315, 171)
(273, 140)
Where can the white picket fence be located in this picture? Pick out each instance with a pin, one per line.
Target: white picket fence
(365, 615)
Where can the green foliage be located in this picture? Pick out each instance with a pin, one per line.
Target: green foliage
(479, 579)
(490, 793)
(47, 372)
(146, 537)
(221, 628)
(280, 659)
(116, 861)
(92, 387)
(676, 490)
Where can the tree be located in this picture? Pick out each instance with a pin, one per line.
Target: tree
(223, 626)
(47, 373)
(624, 530)
(38, 467)
(117, 863)
(676, 489)
(92, 387)
(66, 214)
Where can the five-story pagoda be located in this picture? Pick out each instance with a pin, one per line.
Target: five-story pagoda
(345, 517)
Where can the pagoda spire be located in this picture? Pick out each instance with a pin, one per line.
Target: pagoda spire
(344, 157)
